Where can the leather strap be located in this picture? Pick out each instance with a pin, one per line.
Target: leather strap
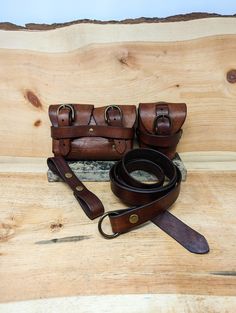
(89, 202)
(162, 121)
(114, 118)
(150, 201)
(159, 140)
(91, 131)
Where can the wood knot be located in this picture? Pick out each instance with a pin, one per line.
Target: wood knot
(123, 57)
(56, 226)
(33, 99)
(7, 231)
(37, 123)
(231, 76)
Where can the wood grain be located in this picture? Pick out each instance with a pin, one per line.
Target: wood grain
(33, 212)
(125, 64)
(193, 161)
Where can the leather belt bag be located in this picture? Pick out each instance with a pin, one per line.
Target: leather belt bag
(159, 126)
(150, 202)
(82, 132)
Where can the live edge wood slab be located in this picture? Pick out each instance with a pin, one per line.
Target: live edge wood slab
(48, 248)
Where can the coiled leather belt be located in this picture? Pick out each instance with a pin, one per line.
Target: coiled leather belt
(150, 201)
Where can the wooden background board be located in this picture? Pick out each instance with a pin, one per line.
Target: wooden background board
(185, 61)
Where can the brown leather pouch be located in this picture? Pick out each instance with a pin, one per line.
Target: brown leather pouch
(159, 126)
(83, 132)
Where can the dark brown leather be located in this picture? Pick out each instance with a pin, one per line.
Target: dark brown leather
(103, 133)
(89, 202)
(159, 126)
(150, 201)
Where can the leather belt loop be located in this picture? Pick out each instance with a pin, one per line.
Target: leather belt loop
(89, 202)
(150, 202)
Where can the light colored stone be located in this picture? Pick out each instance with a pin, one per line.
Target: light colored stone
(99, 171)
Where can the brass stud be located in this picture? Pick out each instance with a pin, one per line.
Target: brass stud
(113, 147)
(133, 219)
(68, 175)
(90, 129)
(79, 188)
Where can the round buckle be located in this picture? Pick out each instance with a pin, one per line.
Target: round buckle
(107, 236)
(69, 106)
(111, 107)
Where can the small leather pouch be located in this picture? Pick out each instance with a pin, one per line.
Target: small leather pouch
(159, 126)
(83, 132)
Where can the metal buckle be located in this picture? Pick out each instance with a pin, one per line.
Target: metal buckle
(158, 117)
(69, 106)
(111, 107)
(107, 236)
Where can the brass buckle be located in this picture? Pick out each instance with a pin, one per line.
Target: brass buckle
(111, 107)
(107, 236)
(69, 106)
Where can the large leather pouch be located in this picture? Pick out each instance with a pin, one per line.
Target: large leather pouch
(159, 126)
(83, 132)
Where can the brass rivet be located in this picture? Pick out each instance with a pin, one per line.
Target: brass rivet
(68, 175)
(133, 219)
(113, 147)
(91, 129)
(79, 188)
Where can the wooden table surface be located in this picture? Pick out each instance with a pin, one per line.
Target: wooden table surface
(145, 263)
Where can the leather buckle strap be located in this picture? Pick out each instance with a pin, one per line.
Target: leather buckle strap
(150, 202)
(113, 116)
(112, 107)
(162, 121)
(68, 106)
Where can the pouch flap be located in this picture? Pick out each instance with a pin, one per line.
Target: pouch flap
(177, 114)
